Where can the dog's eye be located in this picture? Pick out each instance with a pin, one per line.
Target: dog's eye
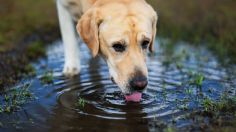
(118, 47)
(145, 44)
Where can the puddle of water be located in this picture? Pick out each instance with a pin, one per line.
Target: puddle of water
(169, 96)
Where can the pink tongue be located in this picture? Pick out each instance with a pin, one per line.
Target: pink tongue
(135, 97)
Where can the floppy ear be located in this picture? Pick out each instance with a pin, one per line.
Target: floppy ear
(87, 27)
(154, 28)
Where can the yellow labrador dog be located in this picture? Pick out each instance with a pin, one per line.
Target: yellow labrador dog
(121, 31)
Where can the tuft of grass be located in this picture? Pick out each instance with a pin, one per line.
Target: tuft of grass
(196, 79)
(14, 99)
(199, 79)
(80, 103)
(30, 70)
(208, 104)
(170, 129)
(35, 49)
(189, 91)
(225, 104)
(47, 77)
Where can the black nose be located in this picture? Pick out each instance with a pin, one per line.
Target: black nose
(139, 83)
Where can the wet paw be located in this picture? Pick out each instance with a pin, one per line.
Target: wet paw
(71, 71)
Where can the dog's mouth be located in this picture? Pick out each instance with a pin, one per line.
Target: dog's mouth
(134, 97)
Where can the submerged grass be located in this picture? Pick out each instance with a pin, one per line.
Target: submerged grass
(15, 98)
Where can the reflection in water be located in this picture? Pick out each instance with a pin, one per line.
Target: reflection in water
(170, 94)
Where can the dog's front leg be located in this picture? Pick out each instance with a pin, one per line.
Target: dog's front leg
(69, 37)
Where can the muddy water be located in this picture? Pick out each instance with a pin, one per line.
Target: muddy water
(170, 95)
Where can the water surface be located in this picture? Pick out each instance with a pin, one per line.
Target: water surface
(171, 94)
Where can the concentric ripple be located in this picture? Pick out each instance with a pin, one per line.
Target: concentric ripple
(104, 100)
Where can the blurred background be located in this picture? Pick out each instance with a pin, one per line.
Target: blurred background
(197, 21)
(211, 23)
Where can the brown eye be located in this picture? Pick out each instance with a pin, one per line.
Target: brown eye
(145, 44)
(118, 47)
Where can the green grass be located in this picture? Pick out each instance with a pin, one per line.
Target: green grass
(47, 77)
(80, 103)
(35, 49)
(208, 104)
(196, 79)
(189, 91)
(15, 98)
(224, 104)
(170, 129)
(30, 70)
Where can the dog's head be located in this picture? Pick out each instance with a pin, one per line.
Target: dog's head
(122, 32)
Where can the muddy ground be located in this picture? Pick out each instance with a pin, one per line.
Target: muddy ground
(14, 63)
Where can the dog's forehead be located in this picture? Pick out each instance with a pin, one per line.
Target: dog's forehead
(116, 29)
